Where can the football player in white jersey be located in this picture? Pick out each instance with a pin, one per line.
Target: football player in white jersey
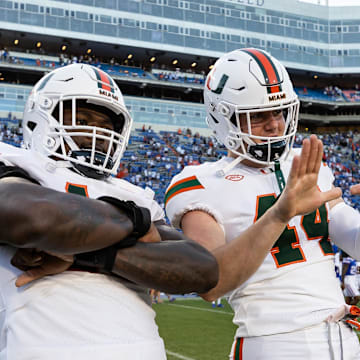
(291, 306)
(76, 128)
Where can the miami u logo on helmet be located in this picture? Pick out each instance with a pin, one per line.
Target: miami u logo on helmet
(221, 85)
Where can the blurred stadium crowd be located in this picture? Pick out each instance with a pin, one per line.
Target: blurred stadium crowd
(161, 72)
(153, 158)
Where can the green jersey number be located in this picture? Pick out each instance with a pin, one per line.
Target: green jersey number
(287, 249)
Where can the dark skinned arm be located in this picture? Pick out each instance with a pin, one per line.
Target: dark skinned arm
(180, 266)
(37, 217)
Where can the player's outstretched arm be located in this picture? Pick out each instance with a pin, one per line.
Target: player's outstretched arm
(37, 217)
(344, 225)
(239, 259)
(355, 189)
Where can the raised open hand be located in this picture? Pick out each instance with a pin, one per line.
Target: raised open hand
(301, 194)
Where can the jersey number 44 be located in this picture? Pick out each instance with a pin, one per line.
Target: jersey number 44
(287, 249)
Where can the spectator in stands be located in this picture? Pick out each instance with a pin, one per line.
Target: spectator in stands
(293, 300)
(180, 150)
(155, 296)
(332, 91)
(123, 172)
(349, 279)
(5, 54)
(61, 59)
(217, 303)
(83, 314)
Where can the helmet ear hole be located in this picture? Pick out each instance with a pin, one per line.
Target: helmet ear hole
(31, 125)
(55, 113)
(50, 142)
(224, 110)
(231, 144)
(233, 119)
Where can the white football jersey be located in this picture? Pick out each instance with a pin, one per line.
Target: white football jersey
(296, 286)
(76, 314)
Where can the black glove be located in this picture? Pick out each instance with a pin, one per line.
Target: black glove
(139, 216)
(102, 260)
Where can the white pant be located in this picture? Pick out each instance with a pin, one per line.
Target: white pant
(154, 350)
(307, 344)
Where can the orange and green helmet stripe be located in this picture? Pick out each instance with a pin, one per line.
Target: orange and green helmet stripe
(186, 184)
(105, 82)
(44, 81)
(268, 68)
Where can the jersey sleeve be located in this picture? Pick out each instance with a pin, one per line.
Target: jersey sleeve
(147, 200)
(188, 191)
(326, 177)
(157, 213)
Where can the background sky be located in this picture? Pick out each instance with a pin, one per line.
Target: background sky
(335, 2)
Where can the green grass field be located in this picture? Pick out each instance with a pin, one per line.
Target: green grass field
(193, 330)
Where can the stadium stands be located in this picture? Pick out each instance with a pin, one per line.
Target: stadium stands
(328, 93)
(49, 62)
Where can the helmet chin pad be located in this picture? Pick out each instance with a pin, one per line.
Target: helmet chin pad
(99, 160)
(260, 152)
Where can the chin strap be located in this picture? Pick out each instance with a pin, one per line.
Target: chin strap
(52, 166)
(228, 167)
(279, 176)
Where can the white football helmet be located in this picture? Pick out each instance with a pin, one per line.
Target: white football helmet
(43, 124)
(247, 81)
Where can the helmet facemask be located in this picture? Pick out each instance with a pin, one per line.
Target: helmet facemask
(94, 151)
(262, 150)
(77, 114)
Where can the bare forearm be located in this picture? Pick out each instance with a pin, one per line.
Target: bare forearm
(245, 254)
(36, 217)
(170, 266)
